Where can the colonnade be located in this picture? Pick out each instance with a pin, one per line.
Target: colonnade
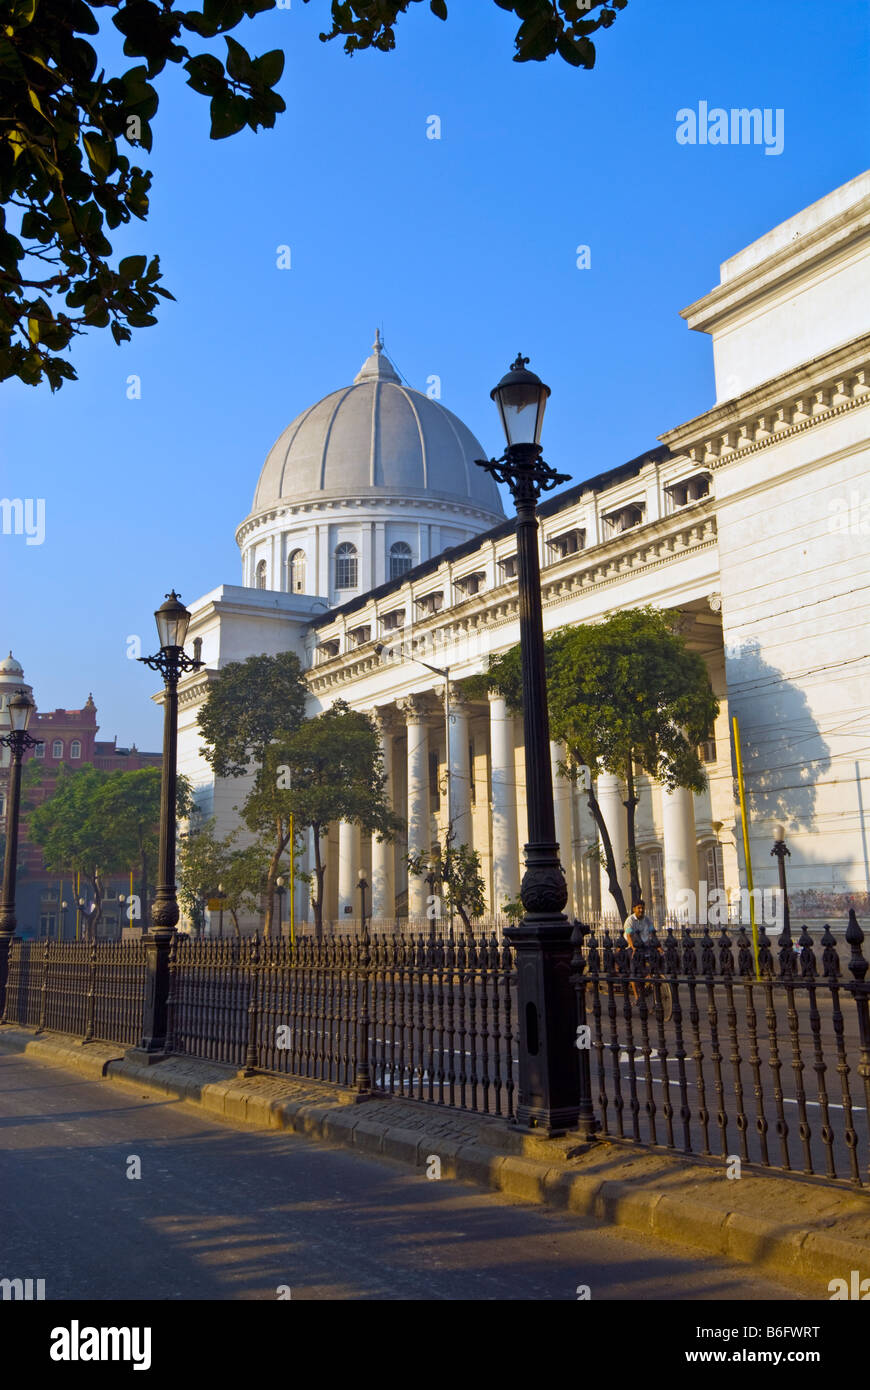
(489, 813)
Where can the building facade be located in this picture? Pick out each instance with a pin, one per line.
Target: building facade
(374, 544)
(67, 736)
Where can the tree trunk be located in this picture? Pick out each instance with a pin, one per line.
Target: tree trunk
(630, 805)
(319, 874)
(610, 862)
(236, 923)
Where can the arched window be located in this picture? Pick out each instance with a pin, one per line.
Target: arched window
(261, 575)
(400, 559)
(57, 748)
(345, 566)
(75, 749)
(296, 572)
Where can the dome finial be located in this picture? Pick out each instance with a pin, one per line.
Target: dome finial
(378, 344)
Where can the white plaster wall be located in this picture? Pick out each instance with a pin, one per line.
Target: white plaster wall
(794, 595)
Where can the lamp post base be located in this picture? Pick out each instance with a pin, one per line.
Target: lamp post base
(548, 1096)
(146, 1056)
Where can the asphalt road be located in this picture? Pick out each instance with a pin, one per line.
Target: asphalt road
(220, 1213)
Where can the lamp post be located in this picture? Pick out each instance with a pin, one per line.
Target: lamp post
(280, 890)
(18, 741)
(172, 620)
(781, 851)
(549, 1082)
(221, 892)
(63, 911)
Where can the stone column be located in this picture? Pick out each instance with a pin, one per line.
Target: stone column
(348, 869)
(505, 862)
(610, 798)
(384, 851)
(680, 848)
(564, 827)
(312, 886)
(587, 874)
(414, 710)
(460, 771)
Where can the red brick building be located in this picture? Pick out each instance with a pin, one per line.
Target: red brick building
(68, 736)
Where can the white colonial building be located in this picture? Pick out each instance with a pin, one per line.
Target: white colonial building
(372, 525)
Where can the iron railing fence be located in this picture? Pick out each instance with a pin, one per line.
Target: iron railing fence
(428, 1019)
(692, 1052)
(90, 989)
(688, 1050)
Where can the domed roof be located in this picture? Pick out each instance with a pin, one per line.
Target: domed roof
(10, 667)
(376, 438)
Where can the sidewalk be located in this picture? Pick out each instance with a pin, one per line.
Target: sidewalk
(786, 1226)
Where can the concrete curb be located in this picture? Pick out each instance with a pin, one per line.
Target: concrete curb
(655, 1194)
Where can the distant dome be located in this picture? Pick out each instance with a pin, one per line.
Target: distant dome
(10, 667)
(376, 438)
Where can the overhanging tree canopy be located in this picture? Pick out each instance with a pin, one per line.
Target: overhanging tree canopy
(622, 693)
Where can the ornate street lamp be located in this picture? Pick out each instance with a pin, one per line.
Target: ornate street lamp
(173, 620)
(781, 851)
(221, 892)
(549, 1096)
(63, 911)
(18, 741)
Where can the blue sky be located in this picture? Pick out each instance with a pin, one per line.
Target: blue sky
(462, 250)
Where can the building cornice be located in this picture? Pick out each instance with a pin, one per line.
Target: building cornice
(658, 543)
(810, 395)
(836, 236)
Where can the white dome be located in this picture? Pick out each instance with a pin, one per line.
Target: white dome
(376, 438)
(11, 671)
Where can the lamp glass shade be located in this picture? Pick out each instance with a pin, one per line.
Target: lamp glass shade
(279, 882)
(778, 834)
(172, 620)
(521, 398)
(20, 710)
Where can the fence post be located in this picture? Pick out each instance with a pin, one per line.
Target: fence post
(153, 1047)
(92, 988)
(587, 1125)
(6, 939)
(42, 1000)
(250, 1067)
(860, 989)
(363, 1077)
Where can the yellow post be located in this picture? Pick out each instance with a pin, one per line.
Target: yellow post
(292, 884)
(746, 853)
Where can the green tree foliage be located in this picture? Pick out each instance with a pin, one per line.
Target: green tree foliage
(251, 711)
(250, 706)
(330, 770)
(206, 863)
(546, 27)
(622, 693)
(457, 867)
(100, 823)
(68, 129)
(65, 178)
